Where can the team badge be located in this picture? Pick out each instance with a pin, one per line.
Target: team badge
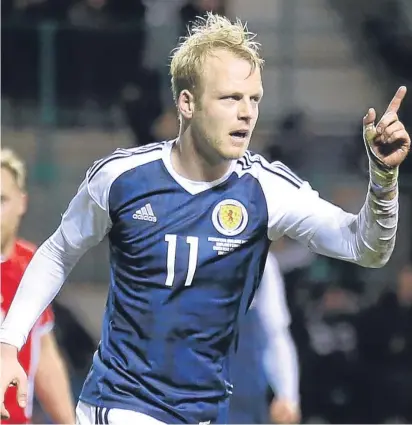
(229, 217)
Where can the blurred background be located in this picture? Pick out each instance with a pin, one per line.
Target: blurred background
(83, 77)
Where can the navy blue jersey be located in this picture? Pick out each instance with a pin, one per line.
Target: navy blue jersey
(249, 404)
(186, 258)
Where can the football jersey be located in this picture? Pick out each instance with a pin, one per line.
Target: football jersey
(12, 271)
(186, 258)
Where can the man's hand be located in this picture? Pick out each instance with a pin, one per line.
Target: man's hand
(388, 142)
(284, 412)
(11, 374)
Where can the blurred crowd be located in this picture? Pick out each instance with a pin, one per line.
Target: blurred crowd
(356, 355)
(99, 46)
(101, 50)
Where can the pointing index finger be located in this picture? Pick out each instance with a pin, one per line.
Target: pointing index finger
(397, 100)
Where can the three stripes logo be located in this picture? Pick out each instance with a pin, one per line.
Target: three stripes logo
(101, 415)
(145, 213)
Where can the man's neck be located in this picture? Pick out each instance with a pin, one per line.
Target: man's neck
(7, 248)
(194, 165)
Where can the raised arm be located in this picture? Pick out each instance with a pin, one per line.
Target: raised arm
(367, 238)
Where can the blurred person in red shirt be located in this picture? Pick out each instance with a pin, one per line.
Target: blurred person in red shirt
(39, 356)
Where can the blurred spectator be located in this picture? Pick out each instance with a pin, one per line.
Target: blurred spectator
(386, 350)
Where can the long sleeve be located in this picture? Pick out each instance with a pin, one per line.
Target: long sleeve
(280, 357)
(367, 238)
(83, 225)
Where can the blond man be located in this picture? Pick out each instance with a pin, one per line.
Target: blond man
(39, 357)
(189, 223)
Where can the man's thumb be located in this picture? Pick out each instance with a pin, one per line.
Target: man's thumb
(369, 129)
(22, 392)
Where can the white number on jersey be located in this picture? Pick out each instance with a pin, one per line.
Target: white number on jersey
(193, 242)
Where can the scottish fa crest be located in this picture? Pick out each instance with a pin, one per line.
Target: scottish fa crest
(229, 217)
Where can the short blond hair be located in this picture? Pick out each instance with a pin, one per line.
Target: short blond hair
(208, 34)
(15, 165)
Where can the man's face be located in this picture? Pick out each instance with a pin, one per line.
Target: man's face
(13, 206)
(227, 107)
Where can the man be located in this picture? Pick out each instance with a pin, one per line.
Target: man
(266, 355)
(189, 223)
(39, 356)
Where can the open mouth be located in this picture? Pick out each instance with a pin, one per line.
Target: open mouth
(239, 134)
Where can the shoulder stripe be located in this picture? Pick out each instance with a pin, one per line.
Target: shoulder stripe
(118, 154)
(287, 170)
(278, 172)
(99, 163)
(146, 148)
(250, 158)
(122, 152)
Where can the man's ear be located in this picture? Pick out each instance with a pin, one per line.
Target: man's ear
(186, 104)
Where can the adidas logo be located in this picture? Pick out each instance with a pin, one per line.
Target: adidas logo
(145, 213)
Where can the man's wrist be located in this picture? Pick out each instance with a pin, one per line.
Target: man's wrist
(383, 180)
(8, 349)
(11, 338)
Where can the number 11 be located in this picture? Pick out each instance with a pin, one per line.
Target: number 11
(193, 242)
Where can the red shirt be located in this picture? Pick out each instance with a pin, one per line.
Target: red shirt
(11, 273)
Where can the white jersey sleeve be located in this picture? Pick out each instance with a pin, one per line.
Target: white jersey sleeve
(280, 358)
(83, 225)
(296, 210)
(86, 220)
